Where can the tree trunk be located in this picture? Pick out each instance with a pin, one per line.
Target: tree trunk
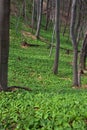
(47, 15)
(82, 63)
(33, 13)
(39, 19)
(67, 18)
(51, 46)
(4, 42)
(74, 43)
(57, 29)
(38, 8)
(24, 10)
(75, 67)
(83, 54)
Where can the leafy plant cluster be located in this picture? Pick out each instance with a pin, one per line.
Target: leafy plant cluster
(54, 111)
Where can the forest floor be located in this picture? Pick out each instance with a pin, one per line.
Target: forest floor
(52, 104)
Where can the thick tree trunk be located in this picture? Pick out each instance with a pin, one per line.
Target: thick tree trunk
(4, 42)
(39, 19)
(57, 29)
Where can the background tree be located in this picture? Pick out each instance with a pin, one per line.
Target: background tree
(74, 23)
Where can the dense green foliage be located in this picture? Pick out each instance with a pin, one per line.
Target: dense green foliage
(52, 104)
(44, 111)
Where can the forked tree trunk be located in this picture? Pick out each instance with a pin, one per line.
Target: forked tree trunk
(57, 30)
(39, 19)
(4, 42)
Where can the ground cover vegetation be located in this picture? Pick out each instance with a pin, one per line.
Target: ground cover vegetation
(52, 103)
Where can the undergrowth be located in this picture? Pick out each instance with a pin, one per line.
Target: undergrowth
(52, 104)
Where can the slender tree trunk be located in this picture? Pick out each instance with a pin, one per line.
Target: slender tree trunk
(83, 54)
(47, 15)
(82, 63)
(57, 29)
(33, 13)
(24, 10)
(38, 9)
(51, 46)
(4, 42)
(67, 18)
(74, 43)
(39, 19)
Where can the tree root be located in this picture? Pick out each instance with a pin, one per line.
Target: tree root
(14, 88)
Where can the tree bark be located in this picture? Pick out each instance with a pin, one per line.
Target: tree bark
(4, 42)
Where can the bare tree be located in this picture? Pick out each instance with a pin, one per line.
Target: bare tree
(4, 42)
